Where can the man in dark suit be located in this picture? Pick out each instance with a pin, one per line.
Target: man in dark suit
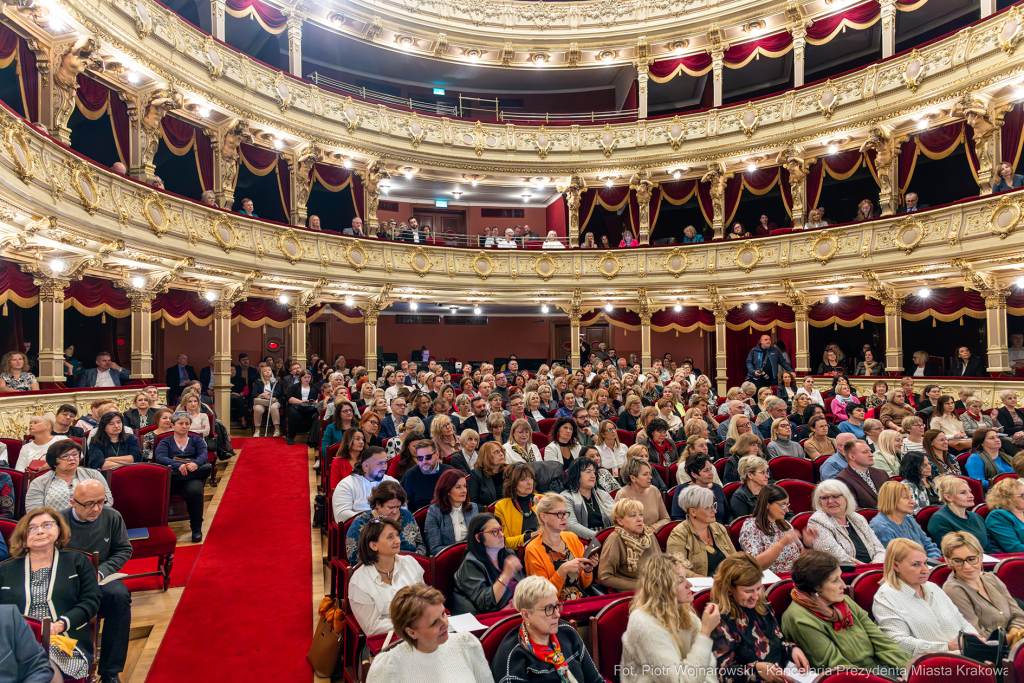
(25, 660)
(912, 204)
(413, 233)
(246, 372)
(478, 420)
(859, 472)
(178, 377)
(777, 410)
(206, 379)
(967, 365)
(389, 425)
(107, 373)
(763, 363)
(294, 371)
(517, 411)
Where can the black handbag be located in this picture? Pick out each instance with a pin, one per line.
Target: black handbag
(319, 511)
(975, 648)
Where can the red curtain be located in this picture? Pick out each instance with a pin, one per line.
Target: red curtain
(686, 320)
(284, 183)
(8, 45)
(358, 197)
(204, 158)
(29, 81)
(678, 191)
(693, 65)
(177, 133)
(631, 97)
(260, 310)
(906, 164)
(1010, 135)
(555, 217)
(849, 312)
(842, 165)
(120, 122)
(260, 161)
(95, 295)
(176, 304)
(92, 97)
(266, 16)
(17, 287)
(731, 201)
(774, 45)
(336, 179)
(825, 28)
(945, 304)
(939, 142)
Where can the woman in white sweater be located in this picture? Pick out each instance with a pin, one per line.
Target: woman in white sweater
(911, 610)
(428, 652)
(664, 633)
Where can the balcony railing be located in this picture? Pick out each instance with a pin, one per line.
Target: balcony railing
(407, 102)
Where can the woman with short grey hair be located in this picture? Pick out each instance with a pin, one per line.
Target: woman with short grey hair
(841, 531)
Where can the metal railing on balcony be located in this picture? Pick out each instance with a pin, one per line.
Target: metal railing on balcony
(438, 108)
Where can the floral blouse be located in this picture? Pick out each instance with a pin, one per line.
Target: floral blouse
(6, 496)
(755, 542)
(22, 383)
(741, 643)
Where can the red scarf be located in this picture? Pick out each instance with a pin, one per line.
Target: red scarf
(552, 654)
(839, 614)
(661, 450)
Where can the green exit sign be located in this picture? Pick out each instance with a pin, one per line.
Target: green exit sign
(438, 91)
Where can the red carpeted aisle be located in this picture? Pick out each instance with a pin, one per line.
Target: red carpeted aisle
(246, 611)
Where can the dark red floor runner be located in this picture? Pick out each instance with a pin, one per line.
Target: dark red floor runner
(246, 611)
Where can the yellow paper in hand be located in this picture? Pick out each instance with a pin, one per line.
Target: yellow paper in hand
(63, 643)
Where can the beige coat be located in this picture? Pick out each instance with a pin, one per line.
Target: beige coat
(685, 541)
(999, 611)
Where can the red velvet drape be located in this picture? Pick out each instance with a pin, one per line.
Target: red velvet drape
(1011, 135)
(257, 157)
(850, 311)
(694, 65)
(740, 54)
(815, 176)
(284, 183)
(842, 165)
(178, 133)
(555, 217)
(946, 303)
(92, 292)
(29, 81)
(120, 123)
(688, 318)
(906, 164)
(204, 158)
(941, 140)
(336, 179)
(731, 201)
(634, 211)
(176, 304)
(824, 27)
(270, 17)
(92, 96)
(16, 286)
(258, 309)
(8, 43)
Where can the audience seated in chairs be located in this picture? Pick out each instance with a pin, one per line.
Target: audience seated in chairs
(54, 487)
(1010, 417)
(841, 531)
(700, 540)
(420, 481)
(604, 477)
(301, 404)
(748, 642)
(141, 415)
(73, 594)
(860, 477)
(267, 394)
(916, 470)
(754, 476)
(186, 454)
(637, 475)
(382, 572)
(110, 446)
(442, 432)
(613, 453)
(33, 453)
(487, 578)
(201, 422)
(487, 478)
(769, 538)
(895, 410)
(563, 446)
(988, 459)
(523, 654)
(831, 629)
(428, 652)
(450, 513)
(955, 513)
(895, 518)
(519, 446)
(15, 375)
(557, 554)
(981, 596)
(517, 508)
(746, 444)
(782, 443)
(589, 505)
(64, 421)
(1005, 520)
(386, 500)
(466, 458)
(700, 472)
(664, 630)
(352, 494)
(913, 611)
(627, 550)
(353, 443)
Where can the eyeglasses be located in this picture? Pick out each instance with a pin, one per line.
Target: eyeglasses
(70, 454)
(713, 506)
(496, 533)
(45, 526)
(971, 559)
(423, 458)
(827, 498)
(90, 505)
(564, 514)
(551, 610)
(783, 505)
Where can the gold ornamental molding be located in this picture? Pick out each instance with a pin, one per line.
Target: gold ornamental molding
(909, 234)
(544, 267)
(290, 246)
(1005, 216)
(676, 262)
(84, 185)
(18, 148)
(155, 213)
(824, 247)
(608, 264)
(971, 60)
(484, 258)
(747, 256)
(356, 255)
(224, 233)
(419, 261)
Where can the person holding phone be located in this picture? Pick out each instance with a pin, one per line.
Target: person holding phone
(556, 554)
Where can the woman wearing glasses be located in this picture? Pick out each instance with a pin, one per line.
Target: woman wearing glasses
(557, 554)
(700, 540)
(45, 581)
(981, 596)
(54, 488)
(841, 531)
(628, 549)
(487, 579)
(769, 538)
(543, 649)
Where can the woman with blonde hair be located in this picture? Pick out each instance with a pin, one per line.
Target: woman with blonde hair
(1005, 519)
(200, 421)
(913, 611)
(557, 554)
(442, 432)
(613, 453)
(981, 596)
(664, 631)
(14, 374)
(747, 444)
(485, 480)
(628, 549)
(748, 643)
(895, 518)
(782, 443)
(955, 513)
(764, 394)
(520, 446)
(40, 428)
(973, 418)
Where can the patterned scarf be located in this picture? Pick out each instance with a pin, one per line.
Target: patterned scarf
(551, 654)
(635, 545)
(526, 454)
(839, 615)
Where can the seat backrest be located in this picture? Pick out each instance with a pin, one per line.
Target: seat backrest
(539, 440)
(40, 631)
(867, 513)
(700, 600)
(975, 486)
(1004, 475)
(800, 494)
(664, 532)
(778, 595)
(730, 489)
(982, 510)
(142, 493)
(443, 566)
(492, 637)
(13, 450)
(799, 522)
(425, 565)
(606, 631)
(673, 469)
(863, 589)
(720, 467)
(663, 473)
(421, 517)
(544, 426)
(1011, 572)
(734, 530)
(935, 667)
(669, 495)
(816, 466)
(627, 439)
(603, 534)
(7, 528)
(788, 467)
(962, 460)
(20, 481)
(939, 574)
(925, 514)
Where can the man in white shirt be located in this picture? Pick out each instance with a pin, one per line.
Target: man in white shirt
(391, 392)
(351, 496)
(1017, 350)
(107, 373)
(508, 241)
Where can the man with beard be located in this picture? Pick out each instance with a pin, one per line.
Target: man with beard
(478, 420)
(351, 496)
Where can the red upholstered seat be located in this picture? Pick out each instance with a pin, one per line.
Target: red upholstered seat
(20, 480)
(720, 467)
(142, 493)
(778, 595)
(734, 530)
(421, 517)
(868, 514)
(673, 469)
(669, 495)
(627, 439)
(663, 473)
(788, 467)
(799, 522)
(603, 534)
(1011, 572)
(544, 426)
(982, 510)
(492, 637)
(962, 461)
(606, 631)
(816, 466)
(7, 528)
(13, 450)
(40, 629)
(940, 574)
(975, 486)
(1017, 660)
(664, 532)
(539, 440)
(700, 600)
(730, 489)
(936, 667)
(800, 494)
(925, 514)
(1005, 475)
(443, 566)
(863, 589)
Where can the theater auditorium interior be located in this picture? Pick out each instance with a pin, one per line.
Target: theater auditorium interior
(734, 385)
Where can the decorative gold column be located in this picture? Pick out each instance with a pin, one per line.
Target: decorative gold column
(642, 185)
(376, 172)
(573, 190)
(986, 121)
(142, 333)
(645, 312)
(642, 76)
(716, 178)
(371, 312)
(575, 312)
(888, 28)
(300, 166)
(222, 358)
(803, 338)
(295, 43)
(721, 361)
(893, 333)
(51, 328)
(717, 66)
(217, 8)
(298, 331)
(797, 166)
(59, 84)
(799, 43)
(996, 329)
